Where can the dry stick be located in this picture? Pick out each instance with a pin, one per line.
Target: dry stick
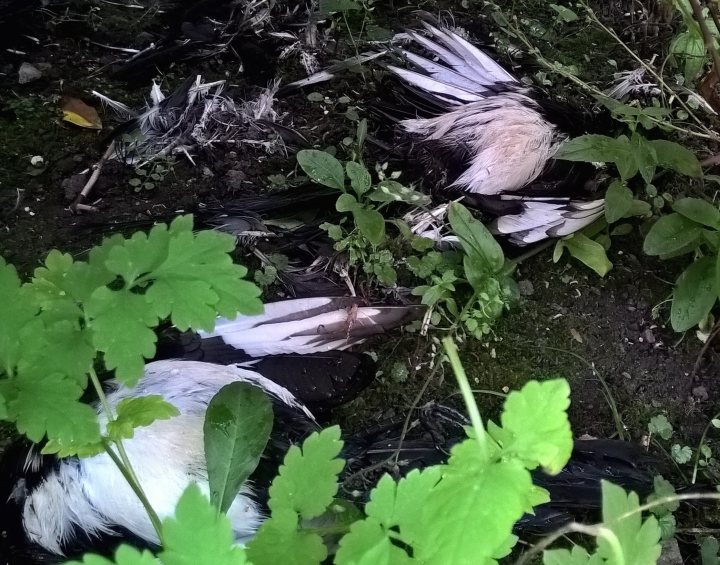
(79, 203)
(707, 36)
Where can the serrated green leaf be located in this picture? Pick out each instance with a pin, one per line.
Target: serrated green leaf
(475, 239)
(371, 224)
(671, 155)
(536, 415)
(589, 252)
(368, 543)
(681, 454)
(140, 254)
(578, 556)
(198, 535)
(640, 541)
(663, 489)
(709, 548)
(126, 350)
(671, 233)
(393, 191)
(462, 522)
(125, 555)
(279, 541)
(661, 426)
(137, 412)
(698, 210)
(322, 168)
(47, 404)
(694, 295)
(359, 177)
(237, 427)
(307, 480)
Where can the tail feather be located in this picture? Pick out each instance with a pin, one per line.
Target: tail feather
(311, 325)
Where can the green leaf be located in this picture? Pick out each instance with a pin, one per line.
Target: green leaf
(198, 535)
(126, 350)
(307, 480)
(137, 412)
(3, 408)
(694, 295)
(346, 203)
(369, 544)
(671, 233)
(359, 177)
(462, 522)
(578, 556)
(681, 454)
(393, 191)
(645, 157)
(125, 555)
(698, 210)
(592, 149)
(475, 239)
(279, 541)
(237, 427)
(709, 549)
(639, 540)
(371, 224)
(47, 404)
(537, 417)
(618, 201)
(663, 489)
(671, 155)
(565, 14)
(322, 168)
(659, 425)
(589, 252)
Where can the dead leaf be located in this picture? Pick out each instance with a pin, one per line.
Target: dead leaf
(77, 112)
(710, 90)
(576, 335)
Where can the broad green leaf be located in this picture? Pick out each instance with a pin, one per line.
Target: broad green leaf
(671, 233)
(592, 148)
(371, 224)
(393, 191)
(578, 556)
(47, 404)
(279, 541)
(618, 201)
(590, 252)
(661, 426)
(198, 535)
(477, 242)
(640, 541)
(709, 548)
(359, 177)
(126, 350)
(462, 522)
(674, 156)
(137, 412)
(681, 453)
(346, 203)
(694, 295)
(140, 254)
(237, 427)
(645, 156)
(125, 555)
(322, 168)
(698, 210)
(537, 417)
(565, 14)
(307, 480)
(689, 47)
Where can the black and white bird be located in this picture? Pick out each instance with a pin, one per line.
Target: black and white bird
(53, 507)
(482, 134)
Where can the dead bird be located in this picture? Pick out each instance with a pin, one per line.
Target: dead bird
(482, 134)
(54, 507)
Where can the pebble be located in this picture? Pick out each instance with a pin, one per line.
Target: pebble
(234, 179)
(28, 73)
(701, 393)
(526, 288)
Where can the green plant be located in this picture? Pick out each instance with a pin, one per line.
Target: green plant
(150, 173)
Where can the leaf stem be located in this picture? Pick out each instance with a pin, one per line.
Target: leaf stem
(473, 412)
(121, 459)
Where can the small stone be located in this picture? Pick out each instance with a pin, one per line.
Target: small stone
(28, 73)
(526, 288)
(234, 179)
(701, 393)
(649, 336)
(207, 172)
(73, 185)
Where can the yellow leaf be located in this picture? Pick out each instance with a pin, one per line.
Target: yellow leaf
(77, 112)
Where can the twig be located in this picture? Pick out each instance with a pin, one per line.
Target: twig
(711, 161)
(707, 36)
(97, 168)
